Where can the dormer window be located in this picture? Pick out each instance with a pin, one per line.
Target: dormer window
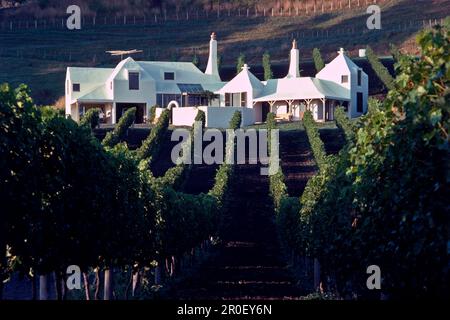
(344, 79)
(133, 80)
(359, 77)
(169, 75)
(76, 87)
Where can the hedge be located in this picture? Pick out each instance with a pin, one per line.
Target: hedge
(225, 172)
(345, 124)
(278, 189)
(316, 143)
(175, 176)
(114, 137)
(151, 146)
(380, 69)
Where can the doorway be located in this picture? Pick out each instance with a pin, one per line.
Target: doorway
(265, 109)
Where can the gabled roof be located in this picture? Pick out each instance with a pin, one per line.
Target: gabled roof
(130, 65)
(185, 72)
(341, 61)
(244, 79)
(302, 88)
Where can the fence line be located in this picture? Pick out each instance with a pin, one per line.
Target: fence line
(308, 39)
(308, 9)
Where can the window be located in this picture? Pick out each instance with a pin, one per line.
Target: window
(359, 77)
(133, 80)
(163, 99)
(67, 86)
(359, 102)
(243, 99)
(110, 85)
(169, 75)
(344, 79)
(76, 87)
(227, 99)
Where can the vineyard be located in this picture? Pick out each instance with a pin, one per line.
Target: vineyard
(348, 194)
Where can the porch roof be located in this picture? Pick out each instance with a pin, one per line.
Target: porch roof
(99, 94)
(302, 88)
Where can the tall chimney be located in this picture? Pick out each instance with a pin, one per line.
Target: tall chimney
(211, 68)
(294, 66)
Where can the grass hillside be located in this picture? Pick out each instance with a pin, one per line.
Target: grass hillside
(39, 54)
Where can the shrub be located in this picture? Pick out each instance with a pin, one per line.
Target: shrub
(235, 122)
(152, 114)
(201, 117)
(91, 118)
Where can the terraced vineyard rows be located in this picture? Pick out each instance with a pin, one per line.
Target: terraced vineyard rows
(297, 160)
(333, 139)
(247, 264)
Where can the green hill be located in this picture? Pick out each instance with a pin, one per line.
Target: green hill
(38, 50)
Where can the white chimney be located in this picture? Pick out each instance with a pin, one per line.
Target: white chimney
(294, 66)
(211, 68)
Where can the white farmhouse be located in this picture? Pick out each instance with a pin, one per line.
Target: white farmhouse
(184, 88)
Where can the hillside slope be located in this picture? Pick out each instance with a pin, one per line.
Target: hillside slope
(37, 51)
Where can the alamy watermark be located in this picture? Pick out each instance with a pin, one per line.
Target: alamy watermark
(374, 280)
(374, 20)
(219, 151)
(74, 20)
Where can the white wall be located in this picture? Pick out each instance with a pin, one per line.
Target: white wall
(216, 117)
(183, 116)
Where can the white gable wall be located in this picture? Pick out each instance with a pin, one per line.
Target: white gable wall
(340, 67)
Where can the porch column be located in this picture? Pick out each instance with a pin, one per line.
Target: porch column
(308, 103)
(271, 103)
(289, 102)
(113, 113)
(323, 109)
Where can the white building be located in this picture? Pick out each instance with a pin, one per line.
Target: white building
(183, 86)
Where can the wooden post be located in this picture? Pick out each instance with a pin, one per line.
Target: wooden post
(108, 284)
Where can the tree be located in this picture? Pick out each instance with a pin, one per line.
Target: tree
(240, 62)
(195, 60)
(267, 67)
(318, 61)
(91, 118)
